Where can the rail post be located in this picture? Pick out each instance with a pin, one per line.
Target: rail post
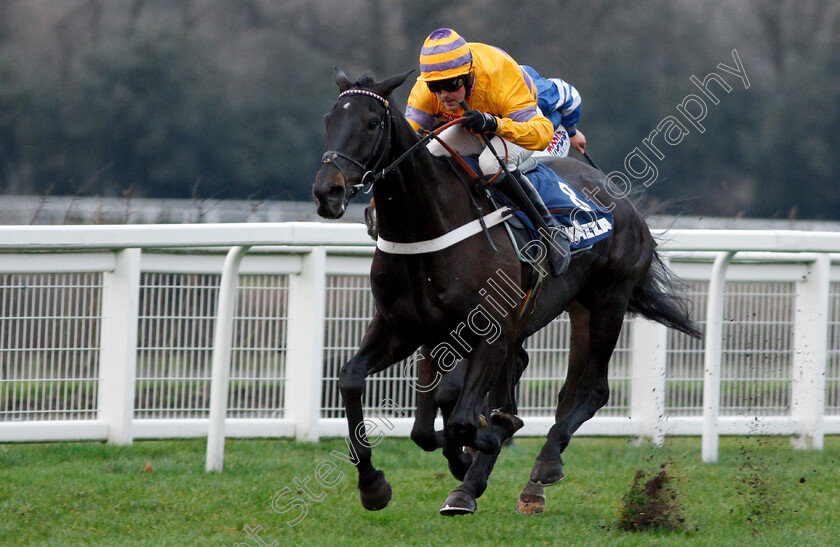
(712, 357)
(647, 384)
(118, 345)
(305, 348)
(222, 341)
(810, 355)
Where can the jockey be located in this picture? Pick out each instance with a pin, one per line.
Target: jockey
(502, 101)
(560, 102)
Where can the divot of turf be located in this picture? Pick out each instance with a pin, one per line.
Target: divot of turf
(651, 503)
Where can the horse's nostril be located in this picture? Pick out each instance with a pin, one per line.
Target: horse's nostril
(336, 192)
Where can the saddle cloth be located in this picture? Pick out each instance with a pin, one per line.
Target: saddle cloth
(584, 222)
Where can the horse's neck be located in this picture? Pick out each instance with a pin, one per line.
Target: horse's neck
(422, 198)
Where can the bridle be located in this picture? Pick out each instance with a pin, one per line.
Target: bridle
(376, 155)
(370, 176)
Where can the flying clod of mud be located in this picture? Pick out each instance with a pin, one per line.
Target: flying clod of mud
(651, 503)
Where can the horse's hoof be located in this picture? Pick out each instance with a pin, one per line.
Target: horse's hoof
(460, 465)
(531, 500)
(546, 473)
(378, 495)
(459, 502)
(508, 422)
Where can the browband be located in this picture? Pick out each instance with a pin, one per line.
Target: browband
(382, 100)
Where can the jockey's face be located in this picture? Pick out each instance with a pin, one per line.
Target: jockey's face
(450, 99)
(449, 92)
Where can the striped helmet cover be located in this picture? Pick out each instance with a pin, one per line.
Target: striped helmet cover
(444, 55)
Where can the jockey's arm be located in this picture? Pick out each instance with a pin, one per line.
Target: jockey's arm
(422, 108)
(521, 122)
(505, 95)
(526, 127)
(569, 108)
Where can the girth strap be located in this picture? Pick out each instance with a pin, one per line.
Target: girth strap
(446, 240)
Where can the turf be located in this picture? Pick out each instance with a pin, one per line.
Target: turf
(762, 492)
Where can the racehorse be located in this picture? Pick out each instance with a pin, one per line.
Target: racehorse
(440, 296)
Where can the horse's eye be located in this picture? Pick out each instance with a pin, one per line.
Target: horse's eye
(373, 124)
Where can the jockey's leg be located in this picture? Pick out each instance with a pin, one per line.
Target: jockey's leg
(558, 247)
(529, 200)
(463, 142)
(513, 154)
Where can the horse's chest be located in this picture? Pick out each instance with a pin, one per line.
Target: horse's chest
(425, 300)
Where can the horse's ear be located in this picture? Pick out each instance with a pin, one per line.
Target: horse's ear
(390, 84)
(342, 80)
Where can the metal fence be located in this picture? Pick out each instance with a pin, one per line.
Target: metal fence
(49, 346)
(119, 345)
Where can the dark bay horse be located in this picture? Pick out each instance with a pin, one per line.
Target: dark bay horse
(461, 301)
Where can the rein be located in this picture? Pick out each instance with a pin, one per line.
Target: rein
(376, 177)
(371, 176)
(434, 135)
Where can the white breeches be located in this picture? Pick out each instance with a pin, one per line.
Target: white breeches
(467, 144)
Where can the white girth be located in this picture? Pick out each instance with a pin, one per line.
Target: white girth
(446, 240)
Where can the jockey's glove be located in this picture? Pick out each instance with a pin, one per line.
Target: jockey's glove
(479, 122)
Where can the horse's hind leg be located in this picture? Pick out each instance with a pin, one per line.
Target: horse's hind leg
(594, 335)
(380, 348)
(428, 381)
(436, 390)
(457, 456)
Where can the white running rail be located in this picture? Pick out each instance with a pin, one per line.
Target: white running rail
(104, 335)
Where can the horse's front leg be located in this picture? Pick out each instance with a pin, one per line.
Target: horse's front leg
(381, 347)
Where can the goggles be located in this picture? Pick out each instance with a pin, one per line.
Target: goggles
(450, 85)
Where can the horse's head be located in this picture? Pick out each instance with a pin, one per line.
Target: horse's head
(357, 140)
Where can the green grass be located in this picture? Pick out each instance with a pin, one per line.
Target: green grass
(761, 492)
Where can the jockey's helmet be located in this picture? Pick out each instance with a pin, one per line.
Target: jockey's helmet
(445, 55)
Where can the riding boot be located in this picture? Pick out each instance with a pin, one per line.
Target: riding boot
(528, 200)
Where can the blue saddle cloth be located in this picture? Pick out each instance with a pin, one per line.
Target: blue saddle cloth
(584, 222)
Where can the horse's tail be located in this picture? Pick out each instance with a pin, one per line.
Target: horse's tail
(656, 297)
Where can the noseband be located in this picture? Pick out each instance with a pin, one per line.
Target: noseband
(371, 176)
(376, 154)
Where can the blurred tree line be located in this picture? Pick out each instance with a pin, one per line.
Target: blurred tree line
(225, 98)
